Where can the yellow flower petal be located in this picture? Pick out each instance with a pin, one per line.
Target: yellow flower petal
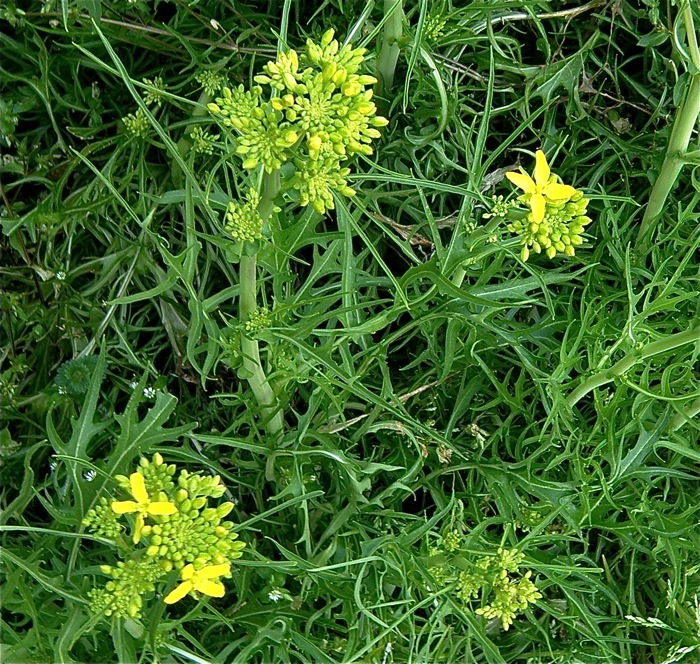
(187, 572)
(138, 527)
(541, 169)
(522, 180)
(138, 487)
(558, 192)
(538, 207)
(179, 592)
(211, 588)
(212, 571)
(124, 506)
(161, 508)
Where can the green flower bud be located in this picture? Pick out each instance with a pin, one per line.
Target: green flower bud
(224, 509)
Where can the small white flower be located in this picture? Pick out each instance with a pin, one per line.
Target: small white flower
(133, 385)
(275, 595)
(52, 465)
(62, 390)
(149, 392)
(89, 475)
(61, 275)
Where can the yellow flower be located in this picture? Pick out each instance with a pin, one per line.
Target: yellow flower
(201, 581)
(541, 188)
(143, 505)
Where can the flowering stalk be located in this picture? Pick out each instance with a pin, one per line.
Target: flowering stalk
(313, 112)
(248, 295)
(627, 362)
(687, 118)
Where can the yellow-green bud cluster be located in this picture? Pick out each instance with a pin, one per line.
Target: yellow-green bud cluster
(511, 597)
(494, 577)
(316, 181)
(155, 95)
(559, 232)
(452, 540)
(469, 583)
(243, 221)
(203, 141)
(239, 108)
(434, 27)
(157, 474)
(259, 319)
(323, 115)
(528, 519)
(499, 207)
(193, 532)
(211, 81)
(122, 596)
(102, 521)
(137, 124)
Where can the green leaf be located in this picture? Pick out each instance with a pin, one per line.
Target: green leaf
(84, 429)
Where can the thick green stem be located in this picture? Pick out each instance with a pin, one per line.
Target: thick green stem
(627, 362)
(248, 302)
(389, 51)
(685, 122)
(679, 419)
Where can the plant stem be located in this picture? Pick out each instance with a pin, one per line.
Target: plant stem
(627, 362)
(248, 302)
(679, 419)
(389, 51)
(685, 122)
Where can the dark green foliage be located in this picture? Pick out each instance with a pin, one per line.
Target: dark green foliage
(431, 381)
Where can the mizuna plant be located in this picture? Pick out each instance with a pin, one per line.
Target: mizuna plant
(295, 131)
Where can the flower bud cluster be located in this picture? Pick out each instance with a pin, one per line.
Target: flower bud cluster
(259, 319)
(154, 95)
(511, 597)
(243, 221)
(434, 27)
(211, 81)
(137, 124)
(176, 527)
(499, 207)
(194, 534)
(122, 596)
(203, 141)
(322, 115)
(493, 577)
(559, 232)
(102, 520)
(316, 181)
(157, 474)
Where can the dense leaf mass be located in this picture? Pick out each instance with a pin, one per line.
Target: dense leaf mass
(483, 389)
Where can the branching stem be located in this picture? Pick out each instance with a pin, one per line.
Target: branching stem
(683, 127)
(627, 362)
